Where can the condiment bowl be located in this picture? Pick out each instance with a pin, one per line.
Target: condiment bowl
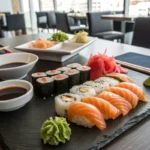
(17, 72)
(18, 102)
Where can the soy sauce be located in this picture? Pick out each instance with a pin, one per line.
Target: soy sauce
(13, 64)
(11, 92)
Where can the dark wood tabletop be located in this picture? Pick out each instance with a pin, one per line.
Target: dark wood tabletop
(137, 138)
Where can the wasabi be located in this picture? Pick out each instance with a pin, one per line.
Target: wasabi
(147, 82)
(55, 131)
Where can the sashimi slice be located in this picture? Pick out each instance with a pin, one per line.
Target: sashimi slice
(106, 108)
(119, 102)
(121, 77)
(135, 89)
(126, 94)
(84, 114)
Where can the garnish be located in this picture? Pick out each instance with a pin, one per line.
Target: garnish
(147, 82)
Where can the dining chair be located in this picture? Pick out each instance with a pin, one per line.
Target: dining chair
(102, 28)
(51, 20)
(41, 20)
(15, 22)
(62, 23)
(141, 34)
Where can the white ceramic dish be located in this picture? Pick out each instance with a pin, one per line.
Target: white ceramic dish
(59, 52)
(16, 103)
(20, 71)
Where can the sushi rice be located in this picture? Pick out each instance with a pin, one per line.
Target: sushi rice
(63, 102)
(74, 65)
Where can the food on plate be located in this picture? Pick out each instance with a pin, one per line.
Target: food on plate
(98, 86)
(83, 91)
(135, 89)
(74, 65)
(86, 115)
(147, 82)
(41, 44)
(101, 64)
(119, 102)
(63, 102)
(119, 76)
(74, 77)
(55, 131)
(45, 86)
(59, 37)
(84, 73)
(107, 109)
(62, 69)
(81, 37)
(61, 83)
(126, 94)
(51, 73)
(111, 81)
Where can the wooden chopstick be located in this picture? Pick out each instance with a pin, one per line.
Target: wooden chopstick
(134, 67)
(5, 47)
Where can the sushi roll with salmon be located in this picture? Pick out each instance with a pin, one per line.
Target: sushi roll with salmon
(98, 86)
(74, 65)
(45, 86)
(86, 115)
(83, 91)
(84, 73)
(63, 69)
(74, 77)
(51, 73)
(63, 102)
(60, 83)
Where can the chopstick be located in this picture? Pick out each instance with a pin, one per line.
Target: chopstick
(134, 67)
(5, 47)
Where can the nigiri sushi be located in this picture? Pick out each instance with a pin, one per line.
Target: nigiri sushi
(107, 109)
(135, 89)
(126, 94)
(119, 102)
(119, 76)
(86, 115)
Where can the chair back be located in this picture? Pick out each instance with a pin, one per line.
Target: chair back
(97, 24)
(62, 22)
(51, 19)
(15, 22)
(41, 19)
(141, 35)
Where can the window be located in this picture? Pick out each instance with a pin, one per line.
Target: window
(107, 5)
(139, 7)
(72, 5)
(47, 5)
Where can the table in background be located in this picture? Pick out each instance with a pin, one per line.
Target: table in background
(130, 139)
(1, 32)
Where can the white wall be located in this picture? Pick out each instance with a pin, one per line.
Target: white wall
(5, 6)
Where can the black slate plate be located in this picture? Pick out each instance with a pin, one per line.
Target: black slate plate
(20, 128)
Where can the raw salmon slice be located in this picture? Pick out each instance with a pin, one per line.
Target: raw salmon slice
(119, 102)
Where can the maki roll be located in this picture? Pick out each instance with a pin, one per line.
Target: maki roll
(83, 91)
(45, 86)
(74, 65)
(98, 86)
(61, 83)
(84, 73)
(51, 73)
(63, 69)
(74, 77)
(63, 102)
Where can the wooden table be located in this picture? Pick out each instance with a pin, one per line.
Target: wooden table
(136, 138)
(77, 16)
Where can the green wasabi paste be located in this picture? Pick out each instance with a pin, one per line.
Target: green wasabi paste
(147, 82)
(55, 131)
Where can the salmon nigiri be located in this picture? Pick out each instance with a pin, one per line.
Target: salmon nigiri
(119, 102)
(126, 94)
(135, 89)
(106, 108)
(86, 115)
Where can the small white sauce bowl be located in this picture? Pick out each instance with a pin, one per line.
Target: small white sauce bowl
(20, 71)
(16, 103)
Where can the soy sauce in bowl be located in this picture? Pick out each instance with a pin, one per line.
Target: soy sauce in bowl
(12, 65)
(11, 93)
